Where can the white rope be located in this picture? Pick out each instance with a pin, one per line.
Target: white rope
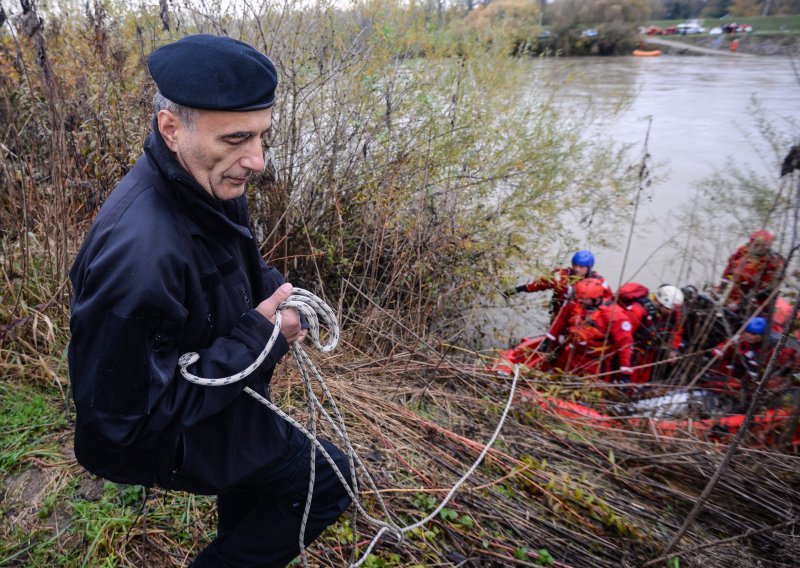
(314, 308)
(306, 303)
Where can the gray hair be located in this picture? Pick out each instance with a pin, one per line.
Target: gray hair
(187, 115)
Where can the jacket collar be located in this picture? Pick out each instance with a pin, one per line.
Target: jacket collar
(224, 217)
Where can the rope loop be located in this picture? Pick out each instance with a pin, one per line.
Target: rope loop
(315, 310)
(310, 305)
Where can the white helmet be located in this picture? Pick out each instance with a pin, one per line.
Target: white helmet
(669, 296)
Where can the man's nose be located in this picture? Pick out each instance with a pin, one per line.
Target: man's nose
(254, 156)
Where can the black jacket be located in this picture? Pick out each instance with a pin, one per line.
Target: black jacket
(167, 269)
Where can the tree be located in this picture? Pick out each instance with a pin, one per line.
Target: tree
(785, 8)
(746, 8)
(716, 8)
(571, 13)
(615, 21)
(511, 22)
(514, 13)
(677, 9)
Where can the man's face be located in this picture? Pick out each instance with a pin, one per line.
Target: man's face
(752, 338)
(662, 309)
(222, 150)
(760, 246)
(580, 270)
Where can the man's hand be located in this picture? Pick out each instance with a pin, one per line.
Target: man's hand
(517, 290)
(624, 376)
(290, 318)
(551, 356)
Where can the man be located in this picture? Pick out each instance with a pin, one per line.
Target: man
(741, 361)
(599, 336)
(657, 326)
(751, 274)
(562, 281)
(170, 266)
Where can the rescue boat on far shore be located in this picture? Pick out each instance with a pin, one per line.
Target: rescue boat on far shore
(646, 52)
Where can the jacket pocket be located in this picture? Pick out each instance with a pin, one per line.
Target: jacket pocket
(122, 384)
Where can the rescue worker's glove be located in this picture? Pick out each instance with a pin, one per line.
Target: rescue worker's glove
(551, 356)
(517, 290)
(546, 348)
(624, 376)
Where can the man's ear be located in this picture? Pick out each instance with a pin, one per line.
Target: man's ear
(168, 126)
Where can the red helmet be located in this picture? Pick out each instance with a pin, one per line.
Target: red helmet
(763, 235)
(589, 288)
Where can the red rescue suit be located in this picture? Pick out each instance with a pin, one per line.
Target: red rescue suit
(653, 334)
(597, 341)
(783, 311)
(739, 364)
(561, 282)
(750, 275)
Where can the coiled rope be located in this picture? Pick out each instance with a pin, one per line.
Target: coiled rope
(315, 309)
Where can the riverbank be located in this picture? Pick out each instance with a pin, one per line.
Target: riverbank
(766, 44)
(682, 48)
(552, 492)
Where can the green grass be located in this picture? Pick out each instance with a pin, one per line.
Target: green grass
(26, 414)
(761, 24)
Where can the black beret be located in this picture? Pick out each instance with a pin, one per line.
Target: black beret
(213, 72)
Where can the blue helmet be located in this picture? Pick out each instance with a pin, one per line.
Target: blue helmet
(757, 326)
(583, 258)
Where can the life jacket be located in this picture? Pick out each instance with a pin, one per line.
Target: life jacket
(751, 274)
(587, 329)
(635, 293)
(599, 329)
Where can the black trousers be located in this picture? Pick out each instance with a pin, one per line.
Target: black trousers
(259, 524)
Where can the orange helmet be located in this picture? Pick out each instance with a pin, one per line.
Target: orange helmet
(589, 288)
(763, 235)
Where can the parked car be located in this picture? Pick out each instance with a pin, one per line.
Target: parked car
(690, 28)
(591, 32)
(735, 28)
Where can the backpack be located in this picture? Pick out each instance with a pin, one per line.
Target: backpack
(630, 292)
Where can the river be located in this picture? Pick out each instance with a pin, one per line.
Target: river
(700, 119)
